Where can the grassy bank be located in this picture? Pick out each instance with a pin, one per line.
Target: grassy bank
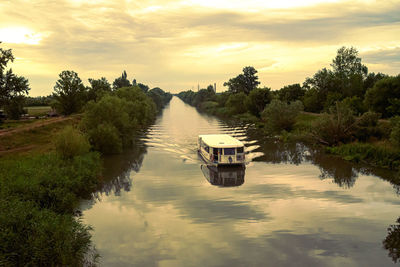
(39, 196)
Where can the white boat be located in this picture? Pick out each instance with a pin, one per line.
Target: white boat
(221, 149)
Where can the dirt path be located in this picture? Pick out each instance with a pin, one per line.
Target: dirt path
(33, 125)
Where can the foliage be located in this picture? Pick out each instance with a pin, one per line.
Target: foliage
(12, 87)
(121, 81)
(203, 95)
(110, 123)
(291, 93)
(159, 97)
(378, 155)
(70, 142)
(336, 126)
(140, 106)
(236, 103)
(384, 96)
(392, 241)
(367, 126)
(279, 115)
(69, 93)
(98, 88)
(347, 62)
(356, 104)
(38, 101)
(245, 82)
(15, 107)
(37, 223)
(395, 133)
(257, 99)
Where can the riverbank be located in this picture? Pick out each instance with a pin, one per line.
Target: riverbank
(363, 139)
(48, 167)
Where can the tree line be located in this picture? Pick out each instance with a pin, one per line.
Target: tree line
(345, 103)
(348, 81)
(70, 95)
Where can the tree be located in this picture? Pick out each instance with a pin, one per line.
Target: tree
(69, 92)
(278, 115)
(245, 82)
(12, 87)
(384, 97)
(257, 99)
(291, 93)
(236, 103)
(144, 87)
(348, 63)
(121, 81)
(98, 88)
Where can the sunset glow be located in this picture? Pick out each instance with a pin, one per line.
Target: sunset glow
(177, 45)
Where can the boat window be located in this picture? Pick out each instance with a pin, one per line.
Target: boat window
(239, 150)
(229, 151)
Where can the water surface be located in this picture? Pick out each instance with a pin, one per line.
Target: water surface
(291, 206)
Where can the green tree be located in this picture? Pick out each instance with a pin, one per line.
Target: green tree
(69, 92)
(245, 82)
(236, 103)
(257, 99)
(121, 81)
(279, 115)
(291, 93)
(13, 88)
(384, 97)
(98, 88)
(347, 62)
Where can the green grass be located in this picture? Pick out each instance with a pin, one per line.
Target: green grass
(33, 141)
(38, 110)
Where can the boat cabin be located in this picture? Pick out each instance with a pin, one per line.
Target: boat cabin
(221, 149)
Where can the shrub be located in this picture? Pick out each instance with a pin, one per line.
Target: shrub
(257, 100)
(279, 115)
(70, 142)
(367, 126)
(336, 126)
(236, 103)
(395, 133)
(105, 138)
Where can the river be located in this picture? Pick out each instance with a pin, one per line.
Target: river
(291, 206)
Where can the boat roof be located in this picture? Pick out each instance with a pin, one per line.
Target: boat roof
(220, 140)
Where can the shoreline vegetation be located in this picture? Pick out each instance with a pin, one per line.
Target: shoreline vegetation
(48, 166)
(345, 110)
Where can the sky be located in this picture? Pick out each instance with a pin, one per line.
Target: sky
(178, 45)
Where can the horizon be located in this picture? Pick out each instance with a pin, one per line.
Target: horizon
(178, 45)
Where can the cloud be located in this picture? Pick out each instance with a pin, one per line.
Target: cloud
(176, 44)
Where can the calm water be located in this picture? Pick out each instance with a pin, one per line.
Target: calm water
(291, 206)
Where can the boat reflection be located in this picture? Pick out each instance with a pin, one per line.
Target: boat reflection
(224, 175)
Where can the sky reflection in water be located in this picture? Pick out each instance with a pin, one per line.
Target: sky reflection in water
(294, 207)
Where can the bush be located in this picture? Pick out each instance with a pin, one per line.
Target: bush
(105, 138)
(30, 236)
(38, 199)
(236, 103)
(70, 142)
(367, 126)
(257, 99)
(377, 155)
(336, 126)
(395, 133)
(109, 124)
(279, 115)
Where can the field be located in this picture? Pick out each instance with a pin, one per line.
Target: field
(38, 111)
